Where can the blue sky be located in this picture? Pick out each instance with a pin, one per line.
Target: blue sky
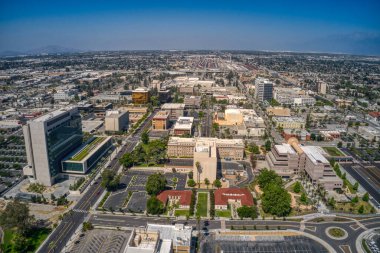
(320, 26)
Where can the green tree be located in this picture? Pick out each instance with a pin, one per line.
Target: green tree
(145, 137)
(297, 187)
(21, 243)
(16, 214)
(340, 144)
(247, 212)
(355, 199)
(355, 186)
(110, 180)
(217, 183)
(365, 197)
(361, 209)
(268, 176)
(191, 182)
(154, 206)
(155, 184)
(207, 182)
(276, 200)
(127, 160)
(303, 198)
(268, 145)
(87, 226)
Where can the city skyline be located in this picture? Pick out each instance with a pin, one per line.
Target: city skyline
(340, 27)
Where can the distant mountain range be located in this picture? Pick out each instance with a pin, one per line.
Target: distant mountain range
(51, 49)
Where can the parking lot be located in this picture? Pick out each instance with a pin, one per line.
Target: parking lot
(137, 202)
(287, 245)
(135, 181)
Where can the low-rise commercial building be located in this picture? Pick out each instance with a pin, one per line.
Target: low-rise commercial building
(278, 111)
(289, 122)
(160, 121)
(116, 121)
(140, 96)
(179, 234)
(192, 102)
(183, 126)
(369, 133)
(175, 110)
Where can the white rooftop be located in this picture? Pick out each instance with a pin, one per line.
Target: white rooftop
(53, 114)
(285, 148)
(315, 154)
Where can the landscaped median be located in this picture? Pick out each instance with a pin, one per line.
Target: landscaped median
(202, 204)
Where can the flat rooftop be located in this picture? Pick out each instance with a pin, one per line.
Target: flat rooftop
(315, 154)
(173, 106)
(87, 149)
(285, 148)
(53, 114)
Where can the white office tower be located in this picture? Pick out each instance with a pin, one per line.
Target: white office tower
(48, 139)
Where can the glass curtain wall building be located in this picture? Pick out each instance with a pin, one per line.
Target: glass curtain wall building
(48, 139)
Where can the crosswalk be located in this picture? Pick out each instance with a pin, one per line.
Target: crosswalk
(80, 211)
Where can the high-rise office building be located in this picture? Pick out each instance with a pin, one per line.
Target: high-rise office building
(48, 139)
(263, 89)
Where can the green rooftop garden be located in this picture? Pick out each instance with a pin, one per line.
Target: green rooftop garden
(87, 149)
(333, 151)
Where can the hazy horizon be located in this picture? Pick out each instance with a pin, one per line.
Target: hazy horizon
(348, 27)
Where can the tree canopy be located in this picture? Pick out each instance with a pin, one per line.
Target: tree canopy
(16, 214)
(247, 212)
(110, 180)
(154, 206)
(268, 176)
(155, 184)
(276, 200)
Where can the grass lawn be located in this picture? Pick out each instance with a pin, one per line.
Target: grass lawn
(336, 232)
(181, 212)
(333, 151)
(353, 208)
(202, 204)
(223, 213)
(87, 149)
(35, 239)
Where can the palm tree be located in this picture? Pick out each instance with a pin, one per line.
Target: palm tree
(199, 171)
(207, 182)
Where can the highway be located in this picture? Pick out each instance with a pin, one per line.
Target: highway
(353, 227)
(73, 219)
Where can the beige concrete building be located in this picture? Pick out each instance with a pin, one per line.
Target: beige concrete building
(289, 122)
(205, 161)
(225, 148)
(116, 121)
(175, 110)
(184, 125)
(318, 169)
(160, 121)
(278, 111)
(283, 159)
(292, 158)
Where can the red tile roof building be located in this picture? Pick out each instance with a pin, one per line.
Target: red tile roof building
(374, 116)
(225, 196)
(182, 198)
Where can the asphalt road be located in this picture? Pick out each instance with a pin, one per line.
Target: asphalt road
(61, 235)
(360, 174)
(318, 229)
